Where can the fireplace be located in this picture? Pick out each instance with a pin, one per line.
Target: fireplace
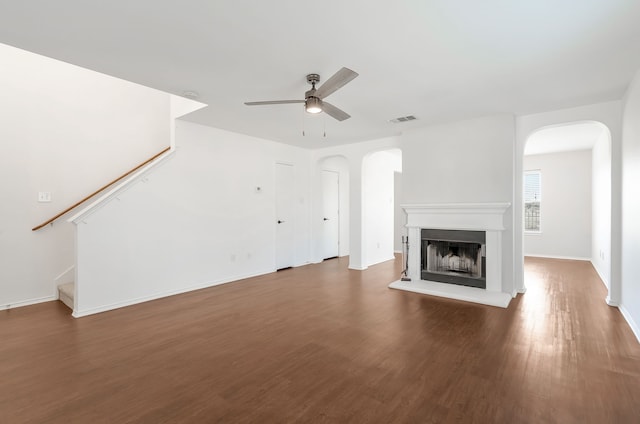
(455, 251)
(454, 257)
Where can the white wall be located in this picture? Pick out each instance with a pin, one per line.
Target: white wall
(601, 207)
(378, 184)
(400, 216)
(195, 221)
(566, 205)
(463, 162)
(68, 131)
(630, 304)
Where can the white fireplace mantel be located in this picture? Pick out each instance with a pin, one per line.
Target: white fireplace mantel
(487, 217)
(457, 216)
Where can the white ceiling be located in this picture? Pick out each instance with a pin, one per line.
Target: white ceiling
(564, 138)
(439, 60)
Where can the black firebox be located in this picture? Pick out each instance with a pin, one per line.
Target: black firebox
(454, 257)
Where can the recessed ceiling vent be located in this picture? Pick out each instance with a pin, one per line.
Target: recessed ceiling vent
(403, 119)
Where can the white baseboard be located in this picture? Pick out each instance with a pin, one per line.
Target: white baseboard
(66, 276)
(610, 302)
(604, 281)
(117, 305)
(570, 258)
(516, 292)
(392, 258)
(630, 321)
(28, 302)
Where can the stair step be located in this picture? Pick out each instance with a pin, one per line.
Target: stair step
(66, 292)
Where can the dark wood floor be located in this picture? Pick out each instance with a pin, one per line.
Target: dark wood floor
(322, 343)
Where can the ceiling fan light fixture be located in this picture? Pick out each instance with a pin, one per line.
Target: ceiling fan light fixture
(314, 98)
(313, 105)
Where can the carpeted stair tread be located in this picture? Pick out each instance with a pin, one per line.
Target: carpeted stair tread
(67, 289)
(66, 293)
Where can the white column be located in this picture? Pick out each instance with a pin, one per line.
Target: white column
(357, 243)
(415, 245)
(494, 260)
(615, 285)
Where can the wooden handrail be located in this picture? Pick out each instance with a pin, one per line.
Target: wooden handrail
(101, 189)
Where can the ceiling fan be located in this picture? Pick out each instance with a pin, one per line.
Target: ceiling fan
(314, 98)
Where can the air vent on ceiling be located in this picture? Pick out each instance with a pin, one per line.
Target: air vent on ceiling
(403, 119)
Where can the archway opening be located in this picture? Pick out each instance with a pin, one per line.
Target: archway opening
(381, 183)
(567, 194)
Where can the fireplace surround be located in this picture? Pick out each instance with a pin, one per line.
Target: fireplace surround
(447, 219)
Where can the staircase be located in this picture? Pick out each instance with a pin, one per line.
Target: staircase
(66, 292)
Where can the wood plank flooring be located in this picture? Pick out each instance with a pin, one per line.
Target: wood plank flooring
(324, 344)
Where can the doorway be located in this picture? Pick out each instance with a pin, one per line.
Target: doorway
(333, 184)
(379, 171)
(572, 194)
(284, 216)
(331, 214)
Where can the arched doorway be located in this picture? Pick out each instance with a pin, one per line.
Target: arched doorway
(568, 168)
(355, 166)
(380, 172)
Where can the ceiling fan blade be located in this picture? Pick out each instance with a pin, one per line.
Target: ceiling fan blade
(334, 112)
(273, 102)
(338, 80)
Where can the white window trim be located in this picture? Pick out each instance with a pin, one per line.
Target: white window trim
(539, 231)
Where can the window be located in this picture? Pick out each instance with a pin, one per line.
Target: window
(532, 197)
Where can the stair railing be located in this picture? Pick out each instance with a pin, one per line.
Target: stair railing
(100, 190)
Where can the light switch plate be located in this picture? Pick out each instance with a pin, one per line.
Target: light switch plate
(44, 196)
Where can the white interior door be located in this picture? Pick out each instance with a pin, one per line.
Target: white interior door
(284, 216)
(331, 214)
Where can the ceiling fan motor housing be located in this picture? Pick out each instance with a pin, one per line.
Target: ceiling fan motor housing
(313, 78)
(312, 104)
